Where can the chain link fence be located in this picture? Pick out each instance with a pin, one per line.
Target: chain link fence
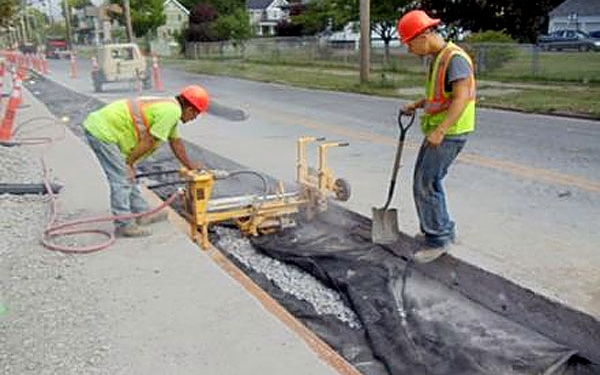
(493, 60)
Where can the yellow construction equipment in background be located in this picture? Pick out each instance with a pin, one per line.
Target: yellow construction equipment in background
(256, 214)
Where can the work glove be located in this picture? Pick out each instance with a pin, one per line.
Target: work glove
(219, 174)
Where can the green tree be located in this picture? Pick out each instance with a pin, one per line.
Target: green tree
(322, 15)
(146, 15)
(384, 16)
(234, 26)
(522, 20)
(36, 21)
(7, 11)
(207, 23)
(56, 29)
(79, 4)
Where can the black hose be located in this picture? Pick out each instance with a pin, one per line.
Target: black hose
(260, 175)
(21, 189)
(156, 173)
(170, 183)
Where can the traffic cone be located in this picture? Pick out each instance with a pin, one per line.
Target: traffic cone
(73, 66)
(95, 66)
(8, 121)
(156, 74)
(45, 70)
(2, 71)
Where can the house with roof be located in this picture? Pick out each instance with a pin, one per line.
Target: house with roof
(177, 17)
(575, 15)
(265, 15)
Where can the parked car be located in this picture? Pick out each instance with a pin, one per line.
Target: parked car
(568, 39)
(27, 48)
(595, 34)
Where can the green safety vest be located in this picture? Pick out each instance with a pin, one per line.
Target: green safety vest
(438, 100)
(122, 121)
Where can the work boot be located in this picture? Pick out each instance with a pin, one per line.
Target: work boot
(427, 255)
(132, 230)
(427, 252)
(154, 218)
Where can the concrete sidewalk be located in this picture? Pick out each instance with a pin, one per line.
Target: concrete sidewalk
(165, 306)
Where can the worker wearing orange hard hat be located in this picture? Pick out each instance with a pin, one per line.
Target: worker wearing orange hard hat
(125, 131)
(447, 120)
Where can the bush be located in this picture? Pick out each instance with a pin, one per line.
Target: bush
(489, 36)
(490, 49)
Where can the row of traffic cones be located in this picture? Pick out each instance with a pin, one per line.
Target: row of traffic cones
(19, 64)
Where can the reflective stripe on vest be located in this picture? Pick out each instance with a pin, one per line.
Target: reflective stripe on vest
(136, 109)
(438, 100)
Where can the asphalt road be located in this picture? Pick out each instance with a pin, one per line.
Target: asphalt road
(524, 193)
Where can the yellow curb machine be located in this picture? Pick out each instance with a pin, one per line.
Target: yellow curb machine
(260, 214)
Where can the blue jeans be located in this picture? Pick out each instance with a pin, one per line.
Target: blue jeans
(430, 169)
(125, 196)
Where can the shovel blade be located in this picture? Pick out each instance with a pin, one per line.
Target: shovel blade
(384, 229)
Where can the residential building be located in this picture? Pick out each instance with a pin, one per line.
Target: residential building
(265, 15)
(575, 15)
(177, 17)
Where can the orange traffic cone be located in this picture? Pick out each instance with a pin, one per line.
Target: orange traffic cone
(45, 69)
(8, 121)
(2, 71)
(73, 66)
(156, 74)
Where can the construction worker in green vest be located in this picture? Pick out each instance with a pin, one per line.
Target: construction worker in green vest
(448, 118)
(124, 132)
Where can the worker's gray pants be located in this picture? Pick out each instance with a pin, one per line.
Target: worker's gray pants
(430, 199)
(125, 195)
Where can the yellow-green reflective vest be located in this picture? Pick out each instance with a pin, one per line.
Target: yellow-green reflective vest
(438, 100)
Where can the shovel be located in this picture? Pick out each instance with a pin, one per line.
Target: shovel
(384, 229)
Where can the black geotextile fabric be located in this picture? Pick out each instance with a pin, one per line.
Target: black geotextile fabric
(426, 328)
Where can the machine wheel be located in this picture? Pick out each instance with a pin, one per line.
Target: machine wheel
(97, 80)
(342, 189)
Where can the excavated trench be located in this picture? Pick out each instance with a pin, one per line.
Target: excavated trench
(382, 313)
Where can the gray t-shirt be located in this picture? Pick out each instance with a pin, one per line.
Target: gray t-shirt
(458, 68)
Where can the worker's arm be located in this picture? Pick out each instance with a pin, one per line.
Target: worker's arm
(179, 151)
(460, 99)
(145, 144)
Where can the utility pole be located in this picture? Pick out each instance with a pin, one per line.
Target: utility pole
(128, 20)
(365, 40)
(68, 23)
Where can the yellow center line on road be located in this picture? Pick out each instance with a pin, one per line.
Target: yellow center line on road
(535, 174)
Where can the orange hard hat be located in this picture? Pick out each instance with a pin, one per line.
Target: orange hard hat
(414, 23)
(196, 96)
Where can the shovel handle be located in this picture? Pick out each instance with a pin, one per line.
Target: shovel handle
(405, 121)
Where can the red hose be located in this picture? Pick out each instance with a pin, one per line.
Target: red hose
(53, 230)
